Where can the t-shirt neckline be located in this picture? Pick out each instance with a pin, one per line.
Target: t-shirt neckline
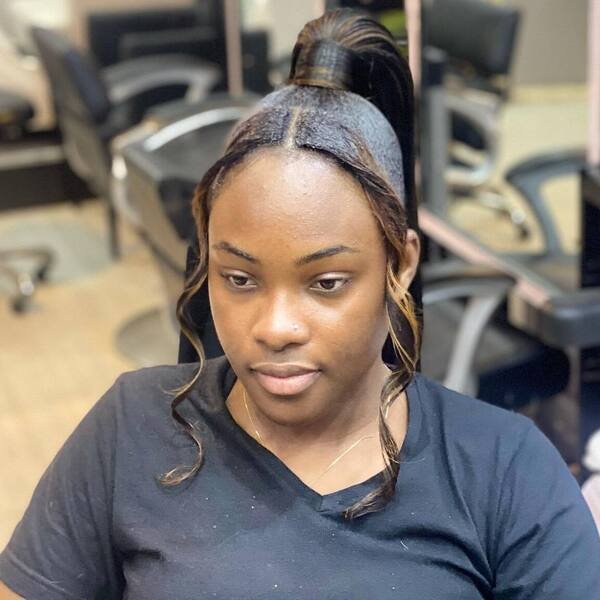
(334, 501)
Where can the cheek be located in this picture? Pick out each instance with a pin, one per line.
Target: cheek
(357, 323)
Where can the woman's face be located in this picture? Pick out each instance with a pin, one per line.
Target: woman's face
(296, 276)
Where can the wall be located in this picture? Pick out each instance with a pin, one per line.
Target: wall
(552, 42)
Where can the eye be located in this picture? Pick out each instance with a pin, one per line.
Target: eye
(330, 284)
(238, 282)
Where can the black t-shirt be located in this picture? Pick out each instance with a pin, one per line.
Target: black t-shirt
(484, 508)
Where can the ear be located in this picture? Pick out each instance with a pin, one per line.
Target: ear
(412, 252)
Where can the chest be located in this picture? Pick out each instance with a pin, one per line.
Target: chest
(246, 543)
(261, 564)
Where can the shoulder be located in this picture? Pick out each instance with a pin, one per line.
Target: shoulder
(473, 446)
(139, 403)
(155, 385)
(487, 447)
(513, 483)
(470, 423)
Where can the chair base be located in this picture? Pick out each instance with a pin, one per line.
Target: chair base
(24, 281)
(496, 202)
(149, 339)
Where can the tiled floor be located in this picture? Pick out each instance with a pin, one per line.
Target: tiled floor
(57, 360)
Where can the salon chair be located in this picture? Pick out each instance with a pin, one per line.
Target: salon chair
(161, 171)
(508, 343)
(527, 342)
(478, 40)
(197, 30)
(555, 298)
(15, 112)
(94, 106)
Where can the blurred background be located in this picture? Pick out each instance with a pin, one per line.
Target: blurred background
(111, 111)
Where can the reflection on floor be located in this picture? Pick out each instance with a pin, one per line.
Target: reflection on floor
(57, 360)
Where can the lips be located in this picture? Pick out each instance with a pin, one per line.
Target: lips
(286, 379)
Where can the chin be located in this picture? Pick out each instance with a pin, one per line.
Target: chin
(301, 409)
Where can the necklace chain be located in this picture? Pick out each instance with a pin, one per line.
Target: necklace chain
(334, 461)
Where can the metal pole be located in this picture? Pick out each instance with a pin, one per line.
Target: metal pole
(587, 364)
(412, 9)
(319, 7)
(435, 131)
(233, 45)
(593, 155)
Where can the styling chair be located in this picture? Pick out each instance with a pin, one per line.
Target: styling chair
(94, 106)
(15, 112)
(554, 302)
(518, 363)
(478, 40)
(197, 30)
(160, 173)
(460, 348)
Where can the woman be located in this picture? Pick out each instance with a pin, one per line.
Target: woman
(300, 465)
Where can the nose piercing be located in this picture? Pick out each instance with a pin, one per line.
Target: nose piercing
(295, 327)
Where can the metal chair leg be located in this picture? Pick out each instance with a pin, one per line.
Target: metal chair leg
(113, 231)
(24, 282)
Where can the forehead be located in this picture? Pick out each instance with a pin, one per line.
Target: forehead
(292, 194)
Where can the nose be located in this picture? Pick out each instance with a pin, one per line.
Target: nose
(280, 323)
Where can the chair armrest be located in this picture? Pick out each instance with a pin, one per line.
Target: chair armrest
(455, 269)
(485, 291)
(530, 176)
(572, 319)
(132, 77)
(192, 123)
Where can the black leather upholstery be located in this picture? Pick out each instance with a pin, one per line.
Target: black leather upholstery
(14, 109)
(76, 83)
(106, 30)
(93, 106)
(476, 32)
(82, 105)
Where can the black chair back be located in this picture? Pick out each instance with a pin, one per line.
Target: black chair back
(82, 107)
(475, 32)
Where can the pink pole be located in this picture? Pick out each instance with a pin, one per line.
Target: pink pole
(412, 9)
(593, 151)
(233, 41)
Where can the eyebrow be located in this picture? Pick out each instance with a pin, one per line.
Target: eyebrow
(303, 260)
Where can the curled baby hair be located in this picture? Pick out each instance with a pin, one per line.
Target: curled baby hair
(321, 117)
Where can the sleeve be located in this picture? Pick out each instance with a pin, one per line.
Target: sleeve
(62, 548)
(546, 544)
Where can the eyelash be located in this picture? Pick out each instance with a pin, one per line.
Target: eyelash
(343, 280)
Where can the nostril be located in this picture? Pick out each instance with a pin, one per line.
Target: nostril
(277, 334)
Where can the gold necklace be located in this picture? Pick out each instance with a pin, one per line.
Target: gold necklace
(335, 460)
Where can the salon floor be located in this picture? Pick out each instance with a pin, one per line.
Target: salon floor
(57, 359)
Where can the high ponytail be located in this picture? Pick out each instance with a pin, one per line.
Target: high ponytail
(349, 51)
